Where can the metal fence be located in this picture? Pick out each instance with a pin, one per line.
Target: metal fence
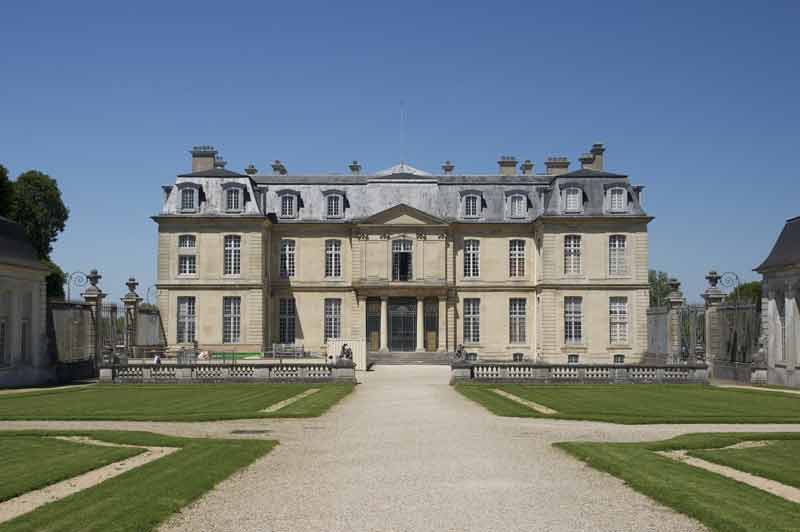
(693, 333)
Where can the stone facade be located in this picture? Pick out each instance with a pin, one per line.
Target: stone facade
(538, 265)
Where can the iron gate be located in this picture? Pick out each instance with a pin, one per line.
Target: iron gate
(693, 333)
(403, 325)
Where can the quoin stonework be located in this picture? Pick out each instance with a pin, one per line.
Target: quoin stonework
(548, 266)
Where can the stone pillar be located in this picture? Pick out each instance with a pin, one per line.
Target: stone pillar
(94, 297)
(442, 315)
(791, 324)
(384, 323)
(131, 305)
(675, 302)
(420, 323)
(713, 297)
(362, 318)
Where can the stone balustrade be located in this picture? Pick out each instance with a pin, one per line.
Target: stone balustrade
(532, 373)
(341, 371)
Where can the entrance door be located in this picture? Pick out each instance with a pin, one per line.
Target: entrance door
(431, 326)
(373, 324)
(402, 324)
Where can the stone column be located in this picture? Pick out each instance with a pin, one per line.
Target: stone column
(94, 297)
(790, 319)
(420, 324)
(442, 315)
(362, 318)
(131, 304)
(675, 301)
(713, 297)
(384, 323)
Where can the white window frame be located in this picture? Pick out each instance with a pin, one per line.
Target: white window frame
(472, 320)
(287, 320)
(573, 320)
(619, 359)
(187, 242)
(333, 258)
(573, 359)
(618, 320)
(402, 245)
(569, 194)
(186, 329)
(288, 258)
(288, 205)
(472, 258)
(194, 197)
(334, 206)
(332, 318)
(231, 320)
(516, 258)
(517, 320)
(617, 260)
(521, 202)
(620, 193)
(573, 260)
(233, 199)
(472, 211)
(232, 255)
(187, 264)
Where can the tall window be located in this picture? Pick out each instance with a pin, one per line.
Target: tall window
(574, 199)
(471, 206)
(618, 320)
(187, 242)
(472, 258)
(288, 206)
(232, 256)
(780, 304)
(517, 318)
(233, 199)
(333, 258)
(231, 320)
(186, 320)
(188, 199)
(287, 261)
(516, 258)
(519, 206)
(573, 320)
(401, 260)
(572, 254)
(287, 315)
(24, 340)
(187, 265)
(618, 199)
(334, 206)
(616, 255)
(333, 318)
(472, 321)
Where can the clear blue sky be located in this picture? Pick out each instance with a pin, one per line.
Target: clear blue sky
(698, 101)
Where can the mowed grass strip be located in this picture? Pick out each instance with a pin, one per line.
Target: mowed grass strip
(779, 460)
(142, 498)
(170, 402)
(720, 503)
(640, 403)
(31, 462)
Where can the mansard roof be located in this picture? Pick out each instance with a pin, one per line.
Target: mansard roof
(786, 251)
(15, 247)
(402, 169)
(213, 172)
(590, 172)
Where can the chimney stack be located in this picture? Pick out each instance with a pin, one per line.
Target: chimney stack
(526, 167)
(587, 161)
(203, 158)
(447, 168)
(556, 165)
(508, 165)
(219, 162)
(598, 150)
(278, 168)
(355, 168)
(251, 170)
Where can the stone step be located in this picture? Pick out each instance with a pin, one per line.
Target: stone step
(409, 358)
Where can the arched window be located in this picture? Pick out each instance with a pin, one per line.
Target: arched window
(518, 206)
(573, 199)
(617, 199)
(472, 203)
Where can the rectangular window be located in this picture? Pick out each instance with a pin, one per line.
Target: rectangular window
(186, 320)
(618, 320)
(573, 320)
(472, 321)
(287, 262)
(187, 199)
(333, 318)
(287, 206)
(471, 206)
(618, 199)
(334, 204)
(572, 254)
(232, 257)
(619, 359)
(517, 317)
(287, 315)
(233, 200)
(187, 242)
(616, 255)
(518, 206)
(472, 258)
(231, 319)
(333, 258)
(187, 265)
(573, 359)
(574, 199)
(780, 303)
(401, 260)
(516, 258)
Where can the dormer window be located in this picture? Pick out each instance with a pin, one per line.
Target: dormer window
(573, 199)
(334, 205)
(188, 200)
(517, 206)
(288, 204)
(233, 200)
(618, 199)
(472, 204)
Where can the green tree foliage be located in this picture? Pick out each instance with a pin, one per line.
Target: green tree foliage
(6, 193)
(659, 287)
(40, 210)
(55, 280)
(745, 293)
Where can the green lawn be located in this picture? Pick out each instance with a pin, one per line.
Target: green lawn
(140, 499)
(779, 460)
(32, 462)
(168, 402)
(641, 403)
(719, 503)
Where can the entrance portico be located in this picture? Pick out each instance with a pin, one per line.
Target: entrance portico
(405, 323)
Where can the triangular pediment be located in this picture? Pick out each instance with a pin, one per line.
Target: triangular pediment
(403, 214)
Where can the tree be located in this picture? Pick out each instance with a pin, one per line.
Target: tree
(40, 210)
(55, 280)
(745, 293)
(6, 193)
(659, 287)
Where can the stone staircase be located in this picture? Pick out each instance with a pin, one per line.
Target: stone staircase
(407, 358)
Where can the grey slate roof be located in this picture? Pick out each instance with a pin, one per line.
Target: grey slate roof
(213, 172)
(588, 172)
(15, 246)
(786, 251)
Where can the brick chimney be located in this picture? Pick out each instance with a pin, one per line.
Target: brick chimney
(203, 158)
(587, 161)
(597, 151)
(448, 167)
(557, 165)
(278, 168)
(355, 168)
(526, 167)
(508, 165)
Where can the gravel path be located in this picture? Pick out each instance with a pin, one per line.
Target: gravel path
(405, 452)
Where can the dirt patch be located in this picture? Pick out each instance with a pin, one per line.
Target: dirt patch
(524, 402)
(293, 399)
